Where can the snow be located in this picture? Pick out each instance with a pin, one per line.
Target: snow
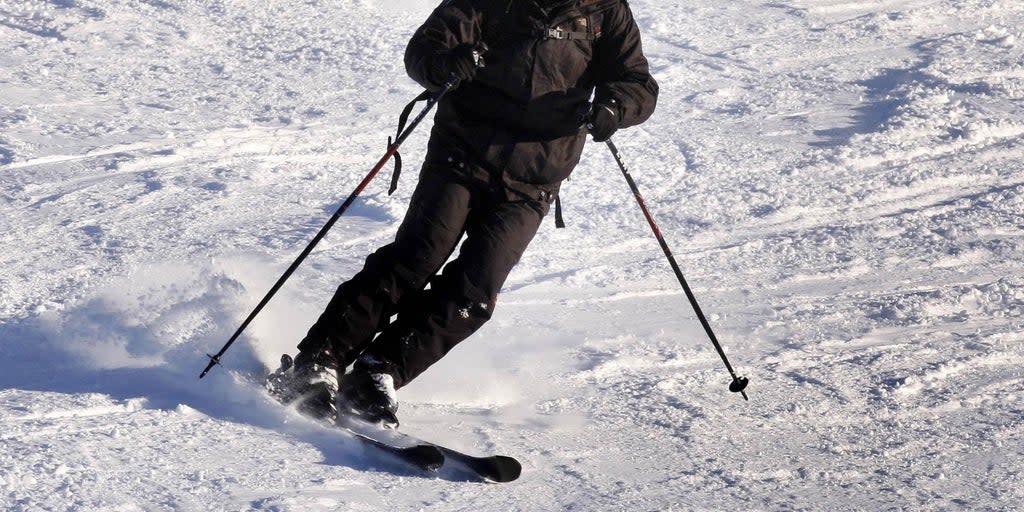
(841, 182)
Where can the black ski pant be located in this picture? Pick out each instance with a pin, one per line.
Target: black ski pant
(432, 319)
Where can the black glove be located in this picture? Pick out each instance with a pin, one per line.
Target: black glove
(603, 120)
(460, 63)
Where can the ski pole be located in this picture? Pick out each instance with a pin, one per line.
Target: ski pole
(738, 383)
(215, 359)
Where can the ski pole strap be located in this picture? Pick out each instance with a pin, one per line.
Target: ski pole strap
(402, 120)
(559, 221)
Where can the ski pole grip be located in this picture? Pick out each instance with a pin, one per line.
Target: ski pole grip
(478, 61)
(478, 54)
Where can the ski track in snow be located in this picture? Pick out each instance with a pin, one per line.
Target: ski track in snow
(840, 181)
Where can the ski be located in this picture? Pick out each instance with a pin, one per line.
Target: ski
(421, 455)
(492, 468)
(410, 449)
(424, 456)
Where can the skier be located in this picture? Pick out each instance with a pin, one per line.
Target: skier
(501, 144)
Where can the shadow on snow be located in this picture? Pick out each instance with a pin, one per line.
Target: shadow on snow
(95, 347)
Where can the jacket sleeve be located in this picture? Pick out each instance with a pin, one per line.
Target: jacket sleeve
(623, 71)
(452, 23)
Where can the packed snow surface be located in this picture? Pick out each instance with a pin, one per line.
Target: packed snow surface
(842, 182)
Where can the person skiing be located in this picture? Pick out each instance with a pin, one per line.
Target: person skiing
(502, 142)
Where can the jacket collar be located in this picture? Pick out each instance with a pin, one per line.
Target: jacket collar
(549, 8)
(560, 11)
(575, 8)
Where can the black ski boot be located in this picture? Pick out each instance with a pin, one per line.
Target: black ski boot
(310, 385)
(369, 396)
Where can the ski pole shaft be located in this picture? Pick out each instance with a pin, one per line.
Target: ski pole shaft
(738, 383)
(215, 359)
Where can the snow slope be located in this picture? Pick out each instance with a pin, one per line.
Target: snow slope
(840, 181)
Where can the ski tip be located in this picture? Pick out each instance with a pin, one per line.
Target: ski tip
(503, 469)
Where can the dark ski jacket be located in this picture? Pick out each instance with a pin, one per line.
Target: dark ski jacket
(521, 117)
